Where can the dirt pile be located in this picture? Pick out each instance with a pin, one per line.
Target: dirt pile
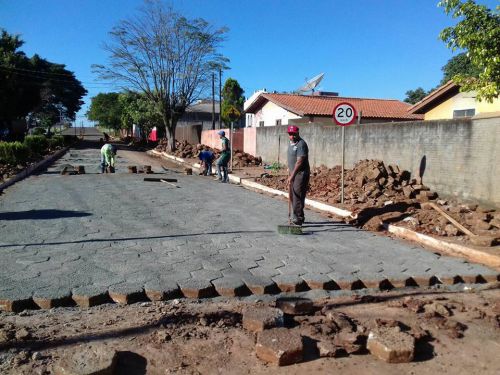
(190, 337)
(380, 194)
(186, 150)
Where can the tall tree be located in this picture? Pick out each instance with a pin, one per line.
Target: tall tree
(459, 64)
(165, 56)
(414, 96)
(106, 109)
(232, 101)
(477, 32)
(17, 95)
(35, 86)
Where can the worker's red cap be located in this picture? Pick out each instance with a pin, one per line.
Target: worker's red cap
(292, 129)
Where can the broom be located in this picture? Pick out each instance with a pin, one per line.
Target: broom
(289, 229)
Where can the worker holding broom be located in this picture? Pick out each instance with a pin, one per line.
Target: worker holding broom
(299, 172)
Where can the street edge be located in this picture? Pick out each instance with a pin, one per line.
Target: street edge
(33, 168)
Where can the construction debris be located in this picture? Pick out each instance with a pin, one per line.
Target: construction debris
(232, 336)
(378, 195)
(279, 346)
(186, 150)
(391, 345)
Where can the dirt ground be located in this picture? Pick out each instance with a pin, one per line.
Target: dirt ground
(462, 336)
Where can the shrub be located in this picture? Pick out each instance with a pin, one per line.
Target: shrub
(37, 144)
(39, 131)
(13, 153)
(56, 141)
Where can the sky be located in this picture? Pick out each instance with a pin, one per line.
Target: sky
(366, 48)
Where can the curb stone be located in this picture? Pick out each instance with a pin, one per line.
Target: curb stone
(33, 168)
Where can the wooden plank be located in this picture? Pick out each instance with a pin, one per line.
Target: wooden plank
(155, 179)
(451, 220)
(169, 183)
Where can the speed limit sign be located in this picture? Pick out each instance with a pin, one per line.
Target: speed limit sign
(344, 114)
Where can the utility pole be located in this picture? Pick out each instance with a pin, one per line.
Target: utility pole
(213, 101)
(220, 98)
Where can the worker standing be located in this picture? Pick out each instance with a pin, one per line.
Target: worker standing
(224, 157)
(108, 154)
(299, 172)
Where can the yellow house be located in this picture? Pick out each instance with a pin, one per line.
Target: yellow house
(447, 102)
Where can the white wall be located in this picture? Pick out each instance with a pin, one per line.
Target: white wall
(269, 113)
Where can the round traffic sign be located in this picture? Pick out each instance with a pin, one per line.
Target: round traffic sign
(344, 114)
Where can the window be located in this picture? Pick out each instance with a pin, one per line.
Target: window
(261, 123)
(460, 113)
(278, 122)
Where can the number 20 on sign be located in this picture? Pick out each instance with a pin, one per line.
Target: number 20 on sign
(344, 114)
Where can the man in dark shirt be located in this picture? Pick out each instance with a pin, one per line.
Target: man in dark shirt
(299, 172)
(225, 156)
(206, 157)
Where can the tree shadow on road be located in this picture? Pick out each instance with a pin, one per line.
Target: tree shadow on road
(41, 214)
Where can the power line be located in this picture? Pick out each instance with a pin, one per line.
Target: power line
(38, 71)
(36, 74)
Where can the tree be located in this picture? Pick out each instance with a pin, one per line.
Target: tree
(106, 109)
(478, 32)
(138, 110)
(35, 87)
(17, 97)
(414, 96)
(232, 101)
(165, 56)
(459, 64)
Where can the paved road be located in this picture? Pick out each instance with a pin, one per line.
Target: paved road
(92, 233)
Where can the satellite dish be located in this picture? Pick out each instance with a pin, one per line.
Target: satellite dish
(311, 84)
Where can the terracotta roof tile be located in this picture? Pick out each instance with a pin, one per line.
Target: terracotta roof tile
(306, 105)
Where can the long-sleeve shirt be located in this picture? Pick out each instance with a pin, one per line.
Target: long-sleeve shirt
(108, 154)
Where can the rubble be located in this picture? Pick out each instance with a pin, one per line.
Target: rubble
(380, 194)
(189, 151)
(258, 319)
(92, 360)
(391, 345)
(279, 346)
(295, 306)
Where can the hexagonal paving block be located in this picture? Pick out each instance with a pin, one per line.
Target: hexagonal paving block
(230, 287)
(290, 283)
(161, 289)
(197, 288)
(16, 300)
(90, 295)
(52, 297)
(346, 281)
(260, 285)
(126, 293)
(319, 281)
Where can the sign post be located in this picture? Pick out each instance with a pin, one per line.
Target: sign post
(344, 114)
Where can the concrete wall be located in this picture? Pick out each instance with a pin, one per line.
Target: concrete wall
(250, 140)
(457, 157)
(212, 139)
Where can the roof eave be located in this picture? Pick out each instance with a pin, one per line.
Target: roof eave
(435, 98)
